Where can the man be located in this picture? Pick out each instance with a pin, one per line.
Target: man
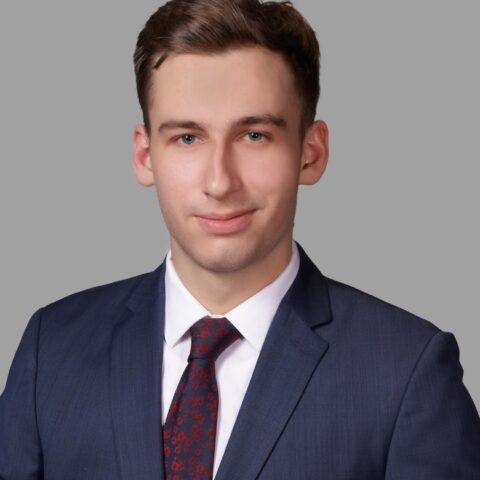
(235, 358)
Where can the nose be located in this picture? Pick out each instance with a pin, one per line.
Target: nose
(222, 176)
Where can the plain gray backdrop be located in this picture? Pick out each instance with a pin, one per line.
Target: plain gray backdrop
(395, 214)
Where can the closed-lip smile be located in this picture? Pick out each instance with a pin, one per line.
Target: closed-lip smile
(224, 216)
(224, 223)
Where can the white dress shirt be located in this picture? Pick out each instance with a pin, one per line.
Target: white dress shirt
(234, 367)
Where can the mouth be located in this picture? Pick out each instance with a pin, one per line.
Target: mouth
(223, 223)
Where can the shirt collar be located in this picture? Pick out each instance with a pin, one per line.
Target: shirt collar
(252, 317)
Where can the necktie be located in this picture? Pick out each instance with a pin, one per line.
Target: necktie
(190, 428)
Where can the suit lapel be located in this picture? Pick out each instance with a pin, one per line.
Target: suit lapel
(135, 381)
(290, 354)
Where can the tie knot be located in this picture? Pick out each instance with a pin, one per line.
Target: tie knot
(211, 336)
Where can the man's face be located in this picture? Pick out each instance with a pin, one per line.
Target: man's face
(224, 142)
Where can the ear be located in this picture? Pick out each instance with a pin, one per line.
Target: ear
(141, 161)
(314, 153)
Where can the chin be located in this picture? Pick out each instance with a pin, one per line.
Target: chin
(224, 261)
(224, 258)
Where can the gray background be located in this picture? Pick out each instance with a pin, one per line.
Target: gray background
(396, 213)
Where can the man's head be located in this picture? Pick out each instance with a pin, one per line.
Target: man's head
(221, 134)
(215, 26)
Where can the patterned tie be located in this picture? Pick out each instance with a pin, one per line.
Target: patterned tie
(190, 428)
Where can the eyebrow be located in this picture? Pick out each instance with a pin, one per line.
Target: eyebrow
(265, 119)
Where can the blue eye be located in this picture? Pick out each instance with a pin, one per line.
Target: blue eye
(189, 139)
(255, 136)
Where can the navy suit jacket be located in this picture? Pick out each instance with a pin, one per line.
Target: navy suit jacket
(346, 387)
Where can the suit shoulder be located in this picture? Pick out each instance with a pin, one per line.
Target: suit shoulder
(372, 312)
(98, 297)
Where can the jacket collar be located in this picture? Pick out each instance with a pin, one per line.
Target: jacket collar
(290, 354)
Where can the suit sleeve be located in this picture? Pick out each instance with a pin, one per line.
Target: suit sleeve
(437, 431)
(20, 452)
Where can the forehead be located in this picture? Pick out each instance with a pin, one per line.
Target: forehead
(220, 86)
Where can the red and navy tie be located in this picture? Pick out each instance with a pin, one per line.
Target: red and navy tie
(190, 428)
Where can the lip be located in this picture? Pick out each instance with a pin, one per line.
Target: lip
(225, 222)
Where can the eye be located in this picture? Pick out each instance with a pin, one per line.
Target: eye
(256, 136)
(186, 139)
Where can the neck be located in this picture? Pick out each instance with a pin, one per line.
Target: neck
(219, 292)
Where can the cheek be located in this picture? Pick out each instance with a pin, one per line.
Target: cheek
(276, 180)
(173, 182)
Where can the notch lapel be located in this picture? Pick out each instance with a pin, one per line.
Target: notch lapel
(289, 357)
(287, 361)
(135, 381)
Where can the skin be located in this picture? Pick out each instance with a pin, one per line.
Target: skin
(216, 166)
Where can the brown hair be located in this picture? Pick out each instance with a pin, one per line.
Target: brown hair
(215, 26)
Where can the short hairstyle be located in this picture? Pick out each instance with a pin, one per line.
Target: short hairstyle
(216, 26)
